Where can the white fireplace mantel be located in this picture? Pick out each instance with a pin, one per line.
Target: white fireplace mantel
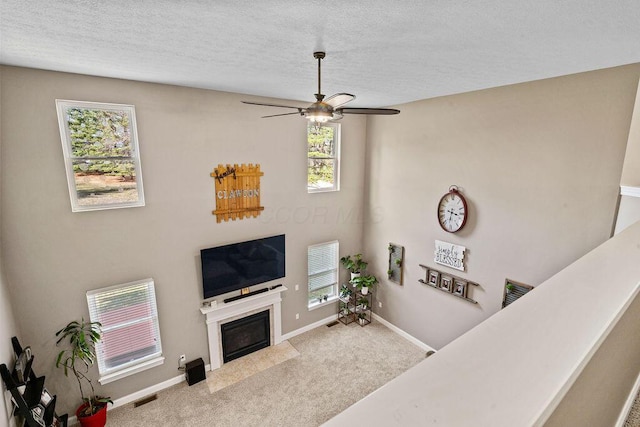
(218, 313)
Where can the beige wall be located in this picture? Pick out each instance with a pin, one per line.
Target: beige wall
(7, 322)
(540, 166)
(631, 169)
(598, 395)
(53, 256)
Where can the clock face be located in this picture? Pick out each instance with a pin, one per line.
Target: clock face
(452, 211)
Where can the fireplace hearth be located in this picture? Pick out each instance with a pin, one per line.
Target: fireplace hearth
(246, 335)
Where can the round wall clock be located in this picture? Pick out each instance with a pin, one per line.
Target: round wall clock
(452, 210)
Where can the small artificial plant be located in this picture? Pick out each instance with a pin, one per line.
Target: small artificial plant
(355, 264)
(79, 357)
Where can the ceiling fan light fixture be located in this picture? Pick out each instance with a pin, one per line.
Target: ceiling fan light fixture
(319, 112)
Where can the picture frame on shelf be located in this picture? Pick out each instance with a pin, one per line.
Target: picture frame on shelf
(460, 288)
(434, 278)
(446, 283)
(45, 398)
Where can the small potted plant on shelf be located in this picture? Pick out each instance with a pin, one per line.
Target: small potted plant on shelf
(364, 283)
(362, 319)
(355, 265)
(345, 293)
(363, 303)
(81, 339)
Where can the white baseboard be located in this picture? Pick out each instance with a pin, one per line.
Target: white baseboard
(629, 191)
(307, 328)
(402, 333)
(626, 409)
(178, 379)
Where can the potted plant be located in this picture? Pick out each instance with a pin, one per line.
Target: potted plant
(81, 338)
(363, 302)
(362, 319)
(509, 287)
(364, 283)
(355, 265)
(345, 293)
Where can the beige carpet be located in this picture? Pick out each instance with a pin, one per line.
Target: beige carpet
(633, 419)
(337, 366)
(239, 369)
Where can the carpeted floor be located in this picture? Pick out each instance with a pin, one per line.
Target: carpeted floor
(633, 419)
(337, 366)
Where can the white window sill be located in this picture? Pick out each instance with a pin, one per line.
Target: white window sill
(148, 364)
(316, 305)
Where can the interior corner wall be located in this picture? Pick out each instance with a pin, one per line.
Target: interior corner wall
(7, 321)
(53, 256)
(539, 164)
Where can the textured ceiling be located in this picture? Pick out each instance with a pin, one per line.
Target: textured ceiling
(384, 52)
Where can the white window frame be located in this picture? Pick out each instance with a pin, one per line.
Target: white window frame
(63, 106)
(110, 374)
(336, 159)
(313, 304)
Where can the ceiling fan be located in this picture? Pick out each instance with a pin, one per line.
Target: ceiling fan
(330, 109)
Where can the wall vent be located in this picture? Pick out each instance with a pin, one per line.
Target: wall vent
(145, 400)
(514, 290)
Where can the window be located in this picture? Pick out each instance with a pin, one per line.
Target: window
(100, 147)
(130, 333)
(323, 273)
(324, 154)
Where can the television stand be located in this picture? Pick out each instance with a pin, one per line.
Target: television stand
(237, 297)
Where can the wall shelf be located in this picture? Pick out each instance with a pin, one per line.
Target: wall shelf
(448, 283)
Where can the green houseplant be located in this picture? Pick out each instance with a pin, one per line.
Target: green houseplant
(364, 283)
(79, 356)
(355, 265)
(345, 293)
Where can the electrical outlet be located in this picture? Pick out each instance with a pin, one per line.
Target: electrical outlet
(297, 316)
(297, 287)
(182, 360)
(380, 304)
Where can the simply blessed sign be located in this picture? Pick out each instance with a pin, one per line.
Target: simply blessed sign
(450, 255)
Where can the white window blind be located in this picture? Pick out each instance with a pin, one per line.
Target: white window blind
(130, 330)
(322, 271)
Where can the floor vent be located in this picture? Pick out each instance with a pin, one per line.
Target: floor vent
(334, 323)
(430, 353)
(145, 400)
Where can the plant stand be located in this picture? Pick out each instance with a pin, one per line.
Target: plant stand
(357, 308)
(32, 401)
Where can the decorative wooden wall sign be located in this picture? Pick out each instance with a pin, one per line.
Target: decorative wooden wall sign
(450, 255)
(237, 191)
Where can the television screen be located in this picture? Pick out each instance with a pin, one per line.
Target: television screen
(239, 265)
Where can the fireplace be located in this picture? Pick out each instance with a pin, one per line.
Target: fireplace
(219, 313)
(246, 335)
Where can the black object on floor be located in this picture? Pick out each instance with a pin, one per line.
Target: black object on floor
(194, 371)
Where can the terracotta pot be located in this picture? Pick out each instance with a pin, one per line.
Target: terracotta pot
(99, 419)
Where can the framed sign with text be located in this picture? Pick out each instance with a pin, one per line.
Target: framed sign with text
(237, 191)
(450, 255)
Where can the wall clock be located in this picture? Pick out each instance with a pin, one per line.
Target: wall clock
(452, 210)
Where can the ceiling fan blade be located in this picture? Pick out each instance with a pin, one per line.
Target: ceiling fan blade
(269, 105)
(339, 99)
(379, 111)
(284, 114)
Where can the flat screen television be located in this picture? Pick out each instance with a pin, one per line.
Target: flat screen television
(239, 265)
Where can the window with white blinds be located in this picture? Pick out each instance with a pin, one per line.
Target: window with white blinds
(130, 339)
(322, 272)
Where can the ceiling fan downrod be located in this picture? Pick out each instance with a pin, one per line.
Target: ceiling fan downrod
(319, 56)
